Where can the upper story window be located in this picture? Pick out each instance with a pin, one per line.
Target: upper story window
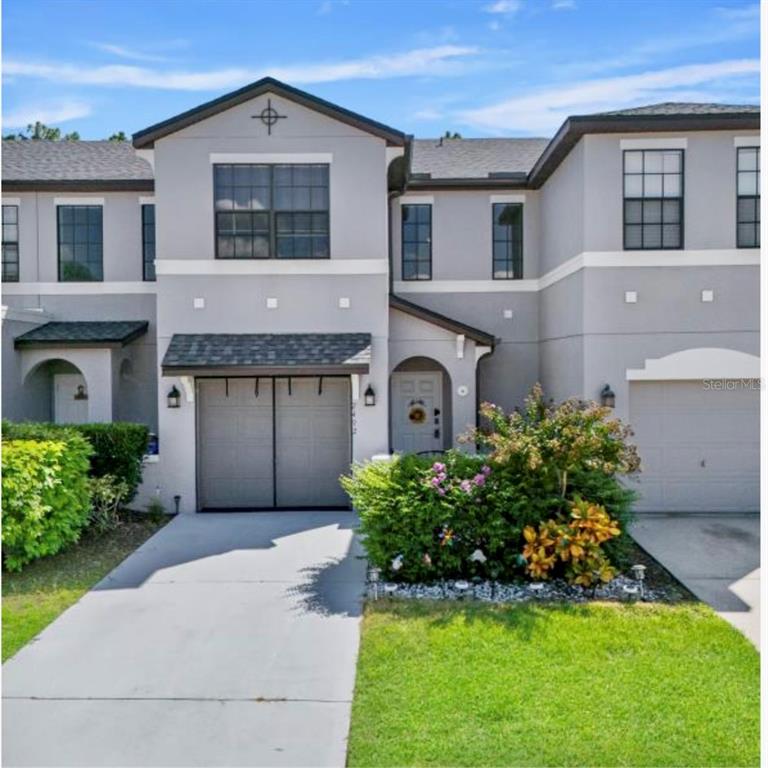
(11, 243)
(748, 197)
(81, 240)
(653, 198)
(271, 211)
(417, 241)
(148, 240)
(507, 241)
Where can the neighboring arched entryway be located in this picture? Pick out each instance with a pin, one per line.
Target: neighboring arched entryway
(56, 390)
(421, 418)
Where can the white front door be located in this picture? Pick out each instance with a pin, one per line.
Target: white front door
(70, 399)
(417, 412)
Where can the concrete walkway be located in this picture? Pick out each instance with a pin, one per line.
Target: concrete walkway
(716, 556)
(225, 640)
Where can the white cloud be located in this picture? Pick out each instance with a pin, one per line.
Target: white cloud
(504, 6)
(439, 60)
(563, 5)
(327, 6)
(544, 110)
(127, 53)
(50, 114)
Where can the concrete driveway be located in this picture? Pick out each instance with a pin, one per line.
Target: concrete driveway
(716, 556)
(226, 639)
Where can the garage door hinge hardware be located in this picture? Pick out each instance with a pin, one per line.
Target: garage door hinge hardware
(320, 387)
(290, 386)
(256, 387)
(226, 387)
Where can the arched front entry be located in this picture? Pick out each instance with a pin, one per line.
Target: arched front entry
(420, 406)
(56, 390)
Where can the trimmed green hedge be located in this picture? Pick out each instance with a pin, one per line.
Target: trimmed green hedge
(118, 447)
(46, 500)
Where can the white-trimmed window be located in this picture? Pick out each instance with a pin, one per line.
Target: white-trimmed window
(748, 197)
(11, 243)
(653, 199)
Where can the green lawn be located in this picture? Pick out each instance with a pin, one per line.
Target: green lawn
(45, 588)
(536, 685)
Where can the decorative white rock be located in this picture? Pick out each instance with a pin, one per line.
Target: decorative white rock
(478, 556)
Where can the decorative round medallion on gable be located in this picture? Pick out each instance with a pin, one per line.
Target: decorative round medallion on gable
(269, 116)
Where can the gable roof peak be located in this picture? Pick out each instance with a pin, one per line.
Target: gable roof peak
(146, 138)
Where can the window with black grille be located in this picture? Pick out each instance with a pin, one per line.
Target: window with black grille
(11, 243)
(80, 237)
(507, 241)
(148, 240)
(417, 241)
(653, 199)
(748, 197)
(272, 211)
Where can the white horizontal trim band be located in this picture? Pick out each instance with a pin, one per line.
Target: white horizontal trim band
(211, 267)
(147, 200)
(78, 201)
(655, 143)
(77, 289)
(271, 157)
(11, 201)
(595, 259)
(507, 199)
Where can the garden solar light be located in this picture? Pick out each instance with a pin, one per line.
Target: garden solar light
(374, 574)
(462, 587)
(478, 556)
(177, 501)
(638, 571)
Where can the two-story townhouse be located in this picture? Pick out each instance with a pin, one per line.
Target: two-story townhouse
(327, 289)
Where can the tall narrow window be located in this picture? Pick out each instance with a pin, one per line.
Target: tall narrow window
(653, 199)
(507, 241)
(417, 241)
(748, 197)
(271, 211)
(148, 240)
(80, 243)
(11, 243)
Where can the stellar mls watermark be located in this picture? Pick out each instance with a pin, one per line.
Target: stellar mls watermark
(729, 385)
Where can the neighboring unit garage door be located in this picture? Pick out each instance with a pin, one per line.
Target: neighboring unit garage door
(273, 442)
(699, 446)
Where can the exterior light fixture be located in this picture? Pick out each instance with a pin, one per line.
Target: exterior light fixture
(608, 397)
(174, 398)
(80, 393)
(369, 396)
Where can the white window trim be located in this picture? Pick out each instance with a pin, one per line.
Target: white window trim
(507, 199)
(146, 200)
(11, 201)
(673, 142)
(78, 201)
(417, 200)
(271, 157)
(746, 141)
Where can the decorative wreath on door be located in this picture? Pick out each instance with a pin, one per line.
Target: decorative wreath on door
(417, 414)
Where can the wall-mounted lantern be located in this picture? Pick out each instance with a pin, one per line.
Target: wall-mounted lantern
(608, 397)
(369, 396)
(174, 398)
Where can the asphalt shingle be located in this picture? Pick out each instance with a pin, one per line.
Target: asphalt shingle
(269, 350)
(34, 160)
(474, 158)
(83, 333)
(686, 108)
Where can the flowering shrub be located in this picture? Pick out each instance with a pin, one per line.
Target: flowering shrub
(513, 511)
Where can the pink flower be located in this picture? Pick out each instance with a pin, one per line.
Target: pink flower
(466, 486)
(435, 481)
(486, 470)
(438, 467)
(479, 479)
(442, 476)
(441, 491)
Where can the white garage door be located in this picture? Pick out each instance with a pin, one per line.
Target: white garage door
(282, 443)
(699, 446)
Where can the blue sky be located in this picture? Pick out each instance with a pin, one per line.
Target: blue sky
(488, 68)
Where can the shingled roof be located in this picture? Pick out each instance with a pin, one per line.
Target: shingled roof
(271, 353)
(86, 333)
(474, 158)
(686, 108)
(35, 164)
